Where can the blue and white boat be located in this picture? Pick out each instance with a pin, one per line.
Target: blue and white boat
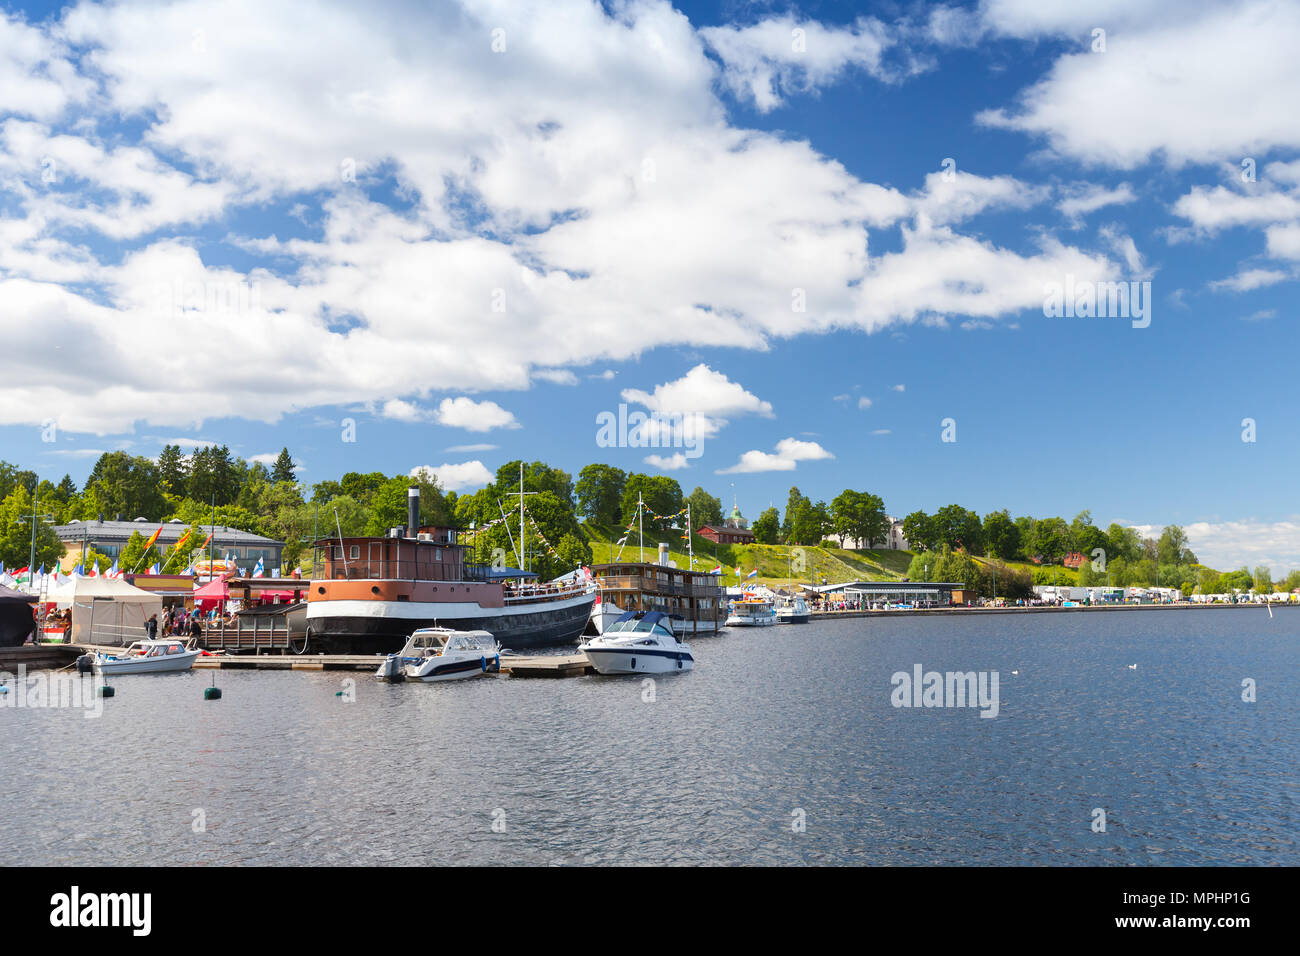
(441, 654)
(639, 642)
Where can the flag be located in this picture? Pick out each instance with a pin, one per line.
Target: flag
(78, 569)
(94, 571)
(752, 574)
(155, 569)
(113, 571)
(152, 538)
(717, 570)
(181, 543)
(258, 570)
(205, 541)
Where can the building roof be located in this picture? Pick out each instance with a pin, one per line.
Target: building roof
(883, 586)
(171, 532)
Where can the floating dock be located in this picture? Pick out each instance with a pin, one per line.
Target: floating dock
(548, 665)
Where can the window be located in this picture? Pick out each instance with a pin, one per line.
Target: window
(354, 552)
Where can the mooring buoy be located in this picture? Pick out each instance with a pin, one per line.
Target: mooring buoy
(212, 693)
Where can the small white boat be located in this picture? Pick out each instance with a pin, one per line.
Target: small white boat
(160, 656)
(751, 611)
(439, 654)
(604, 613)
(793, 611)
(639, 642)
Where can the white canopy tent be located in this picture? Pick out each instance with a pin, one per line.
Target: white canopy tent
(105, 610)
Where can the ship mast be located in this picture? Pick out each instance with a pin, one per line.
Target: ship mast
(640, 522)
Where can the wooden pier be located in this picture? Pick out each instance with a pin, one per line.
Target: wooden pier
(548, 665)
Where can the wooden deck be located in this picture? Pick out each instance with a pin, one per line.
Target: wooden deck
(550, 665)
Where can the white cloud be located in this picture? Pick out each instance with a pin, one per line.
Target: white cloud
(1284, 241)
(1083, 198)
(951, 198)
(1249, 279)
(789, 452)
(882, 431)
(769, 60)
(673, 462)
(403, 411)
(590, 176)
(1181, 81)
(474, 416)
(700, 391)
(900, 388)
(1260, 316)
(555, 376)
(1248, 542)
(864, 403)
(457, 477)
(465, 449)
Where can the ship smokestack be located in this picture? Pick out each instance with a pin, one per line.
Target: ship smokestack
(663, 554)
(413, 512)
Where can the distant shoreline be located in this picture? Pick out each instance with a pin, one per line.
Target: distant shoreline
(1185, 606)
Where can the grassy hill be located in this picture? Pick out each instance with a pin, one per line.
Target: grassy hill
(776, 563)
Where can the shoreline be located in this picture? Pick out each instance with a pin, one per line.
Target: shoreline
(1186, 606)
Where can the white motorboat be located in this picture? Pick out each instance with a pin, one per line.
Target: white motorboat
(440, 653)
(793, 611)
(751, 611)
(639, 642)
(160, 656)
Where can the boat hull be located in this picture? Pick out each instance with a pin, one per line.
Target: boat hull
(793, 618)
(168, 664)
(638, 660)
(383, 627)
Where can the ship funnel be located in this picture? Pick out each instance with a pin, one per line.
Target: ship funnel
(412, 511)
(663, 554)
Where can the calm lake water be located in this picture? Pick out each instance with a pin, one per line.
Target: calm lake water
(715, 769)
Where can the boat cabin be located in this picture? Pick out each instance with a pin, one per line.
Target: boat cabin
(435, 641)
(641, 622)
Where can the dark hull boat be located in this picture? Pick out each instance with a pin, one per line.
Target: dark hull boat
(376, 591)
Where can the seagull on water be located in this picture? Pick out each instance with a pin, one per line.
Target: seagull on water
(1132, 667)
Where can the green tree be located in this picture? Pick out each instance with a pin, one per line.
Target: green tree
(284, 469)
(662, 496)
(705, 509)
(600, 493)
(173, 475)
(1001, 535)
(1173, 546)
(135, 557)
(859, 515)
(16, 532)
(955, 527)
(538, 476)
(122, 484)
(794, 505)
(214, 475)
(767, 527)
(572, 552)
(918, 529)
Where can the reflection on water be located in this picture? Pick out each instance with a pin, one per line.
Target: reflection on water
(715, 769)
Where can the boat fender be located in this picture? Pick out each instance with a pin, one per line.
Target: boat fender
(107, 691)
(496, 666)
(212, 693)
(483, 663)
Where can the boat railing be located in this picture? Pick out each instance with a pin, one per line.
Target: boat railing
(534, 593)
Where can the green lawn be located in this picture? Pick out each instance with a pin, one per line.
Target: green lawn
(776, 563)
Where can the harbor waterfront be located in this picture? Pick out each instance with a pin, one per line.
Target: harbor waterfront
(782, 746)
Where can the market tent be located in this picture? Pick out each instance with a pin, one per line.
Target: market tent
(215, 590)
(16, 620)
(110, 611)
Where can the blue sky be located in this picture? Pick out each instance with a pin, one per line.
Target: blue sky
(470, 231)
